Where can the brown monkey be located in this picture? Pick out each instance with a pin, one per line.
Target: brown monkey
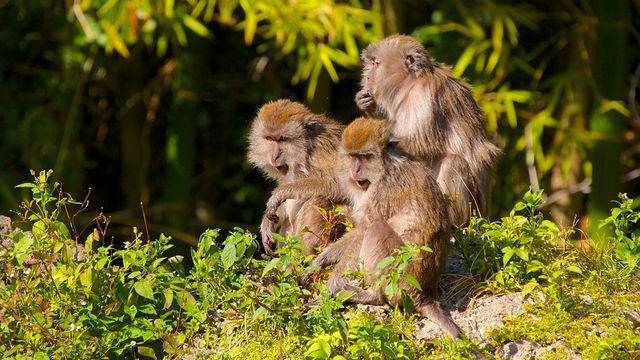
(290, 143)
(432, 115)
(396, 201)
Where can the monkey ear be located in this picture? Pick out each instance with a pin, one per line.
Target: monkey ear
(313, 126)
(416, 62)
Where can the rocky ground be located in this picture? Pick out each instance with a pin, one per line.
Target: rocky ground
(477, 316)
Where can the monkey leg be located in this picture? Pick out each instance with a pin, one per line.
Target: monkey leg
(431, 309)
(310, 225)
(343, 251)
(457, 183)
(378, 241)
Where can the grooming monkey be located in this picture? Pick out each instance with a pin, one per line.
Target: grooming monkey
(290, 144)
(396, 201)
(433, 116)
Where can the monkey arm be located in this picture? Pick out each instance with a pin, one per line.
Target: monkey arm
(303, 189)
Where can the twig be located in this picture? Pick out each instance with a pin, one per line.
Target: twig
(146, 225)
(584, 187)
(531, 160)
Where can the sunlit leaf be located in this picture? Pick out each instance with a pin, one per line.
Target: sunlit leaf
(196, 26)
(169, 8)
(180, 34)
(144, 288)
(114, 38)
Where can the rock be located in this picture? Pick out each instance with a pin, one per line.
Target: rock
(527, 350)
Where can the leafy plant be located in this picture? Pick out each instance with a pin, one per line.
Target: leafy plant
(517, 251)
(625, 244)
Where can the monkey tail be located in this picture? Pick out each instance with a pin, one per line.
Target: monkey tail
(432, 310)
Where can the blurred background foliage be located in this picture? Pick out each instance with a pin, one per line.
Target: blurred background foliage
(139, 101)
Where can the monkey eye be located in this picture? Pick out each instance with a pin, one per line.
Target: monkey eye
(283, 139)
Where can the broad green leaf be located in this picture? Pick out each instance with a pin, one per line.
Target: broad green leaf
(574, 269)
(529, 287)
(228, 256)
(508, 253)
(522, 254)
(147, 351)
(270, 265)
(86, 278)
(168, 298)
(144, 288)
(412, 281)
(319, 349)
(385, 262)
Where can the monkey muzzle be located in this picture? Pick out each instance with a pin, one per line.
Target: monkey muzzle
(283, 169)
(363, 184)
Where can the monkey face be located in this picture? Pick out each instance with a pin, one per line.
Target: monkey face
(277, 142)
(391, 63)
(362, 169)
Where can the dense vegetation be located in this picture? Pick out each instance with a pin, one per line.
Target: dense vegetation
(141, 108)
(70, 293)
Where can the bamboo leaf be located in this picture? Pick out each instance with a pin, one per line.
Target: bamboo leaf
(114, 38)
(196, 26)
(328, 65)
(169, 7)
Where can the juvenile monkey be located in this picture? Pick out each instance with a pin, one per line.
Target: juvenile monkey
(396, 201)
(289, 143)
(433, 116)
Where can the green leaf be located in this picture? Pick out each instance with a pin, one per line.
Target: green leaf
(270, 265)
(228, 256)
(508, 253)
(529, 287)
(412, 281)
(147, 351)
(168, 298)
(26, 185)
(319, 349)
(169, 6)
(574, 269)
(86, 278)
(144, 288)
(522, 254)
(196, 26)
(385, 262)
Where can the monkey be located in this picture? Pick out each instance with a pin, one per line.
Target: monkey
(433, 116)
(289, 143)
(395, 201)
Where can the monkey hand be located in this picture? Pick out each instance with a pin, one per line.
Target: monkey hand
(364, 100)
(304, 279)
(267, 227)
(271, 211)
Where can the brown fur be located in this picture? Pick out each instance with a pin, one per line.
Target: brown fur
(401, 205)
(432, 115)
(290, 144)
